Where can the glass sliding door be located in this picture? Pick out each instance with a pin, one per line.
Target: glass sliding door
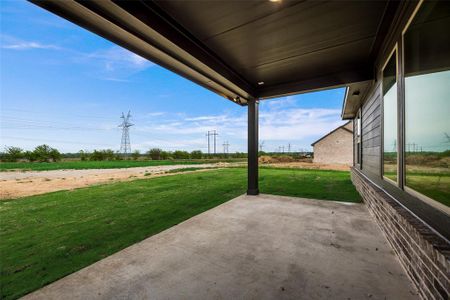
(427, 103)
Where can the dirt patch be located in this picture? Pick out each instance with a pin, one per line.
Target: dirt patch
(21, 184)
(286, 161)
(310, 166)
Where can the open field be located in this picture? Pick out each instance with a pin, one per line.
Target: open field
(48, 236)
(430, 180)
(437, 187)
(20, 184)
(105, 164)
(309, 165)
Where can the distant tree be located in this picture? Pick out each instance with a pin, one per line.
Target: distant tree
(180, 154)
(196, 154)
(164, 155)
(83, 155)
(54, 155)
(42, 152)
(12, 154)
(118, 156)
(135, 155)
(155, 153)
(108, 154)
(96, 155)
(30, 155)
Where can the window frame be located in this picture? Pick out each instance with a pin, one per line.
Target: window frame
(393, 52)
(358, 138)
(410, 191)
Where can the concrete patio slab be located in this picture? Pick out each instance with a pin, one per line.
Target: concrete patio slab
(252, 247)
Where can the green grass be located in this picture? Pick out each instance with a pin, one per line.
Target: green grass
(46, 237)
(432, 185)
(188, 169)
(106, 164)
(437, 187)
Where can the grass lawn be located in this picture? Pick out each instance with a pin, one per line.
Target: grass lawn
(106, 164)
(437, 187)
(48, 236)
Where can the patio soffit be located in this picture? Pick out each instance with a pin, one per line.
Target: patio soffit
(244, 50)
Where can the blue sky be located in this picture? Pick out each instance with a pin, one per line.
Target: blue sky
(67, 87)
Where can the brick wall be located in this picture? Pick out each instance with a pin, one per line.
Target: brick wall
(424, 254)
(335, 148)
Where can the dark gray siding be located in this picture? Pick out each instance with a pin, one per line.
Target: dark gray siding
(371, 132)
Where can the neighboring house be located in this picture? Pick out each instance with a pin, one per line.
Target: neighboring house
(335, 147)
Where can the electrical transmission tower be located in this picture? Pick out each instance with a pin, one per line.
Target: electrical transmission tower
(225, 147)
(261, 146)
(125, 146)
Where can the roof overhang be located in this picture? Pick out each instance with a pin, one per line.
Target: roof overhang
(243, 50)
(354, 98)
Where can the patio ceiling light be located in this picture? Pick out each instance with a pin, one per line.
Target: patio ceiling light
(260, 82)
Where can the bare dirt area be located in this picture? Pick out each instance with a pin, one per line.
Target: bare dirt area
(20, 184)
(285, 161)
(309, 165)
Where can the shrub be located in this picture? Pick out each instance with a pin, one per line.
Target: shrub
(107, 154)
(42, 153)
(180, 154)
(154, 154)
(54, 155)
(135, 155)
(196, 154)
(164, 155)
(30, 155)
(83, 155)
(12, 154)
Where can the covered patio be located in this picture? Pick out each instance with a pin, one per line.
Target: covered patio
(262, 246)
(252, 247)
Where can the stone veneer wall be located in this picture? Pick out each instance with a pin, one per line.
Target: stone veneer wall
(424, 254)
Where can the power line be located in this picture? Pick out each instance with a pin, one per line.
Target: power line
(51, 140)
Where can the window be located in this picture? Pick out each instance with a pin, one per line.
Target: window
(358, 152)
(427, 103)
(390, 118)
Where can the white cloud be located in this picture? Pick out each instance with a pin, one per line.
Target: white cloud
(12, 43)
(116, 62)
(278, 126)
(111, 64)
(29, 45)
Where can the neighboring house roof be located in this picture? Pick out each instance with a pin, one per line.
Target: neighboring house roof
(331, 132)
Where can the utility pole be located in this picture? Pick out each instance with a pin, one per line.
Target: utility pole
(289, 148)
(225, 147)
(209, 148)
(125, 145)
(214, 134)
(261, 145)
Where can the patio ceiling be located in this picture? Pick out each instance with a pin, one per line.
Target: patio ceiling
(244, 49)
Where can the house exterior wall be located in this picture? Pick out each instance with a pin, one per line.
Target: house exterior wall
(335, 148)
(417, 232)
(423, 254)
